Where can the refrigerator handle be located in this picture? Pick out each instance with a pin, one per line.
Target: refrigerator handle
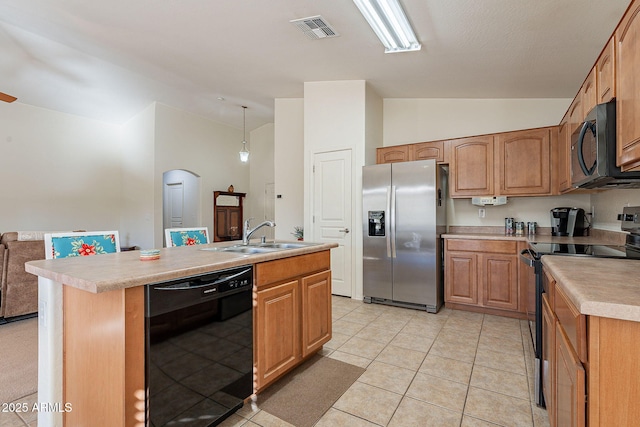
(392, 213)
(388, 225)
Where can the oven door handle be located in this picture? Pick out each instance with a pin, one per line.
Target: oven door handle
(529, 260)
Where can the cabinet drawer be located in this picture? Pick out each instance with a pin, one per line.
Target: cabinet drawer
(287, 268)
(494, 246)
(572, 322)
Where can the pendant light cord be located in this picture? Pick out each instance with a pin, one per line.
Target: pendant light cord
(244, 124)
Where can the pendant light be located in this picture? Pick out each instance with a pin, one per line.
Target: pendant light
(244, 153)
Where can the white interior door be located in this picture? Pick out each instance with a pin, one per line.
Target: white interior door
(175, 204)
(332, 209)
(180, 199)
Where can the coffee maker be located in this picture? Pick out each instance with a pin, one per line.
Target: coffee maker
(567, 222)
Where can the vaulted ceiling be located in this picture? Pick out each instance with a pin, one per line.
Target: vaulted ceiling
(110, 59)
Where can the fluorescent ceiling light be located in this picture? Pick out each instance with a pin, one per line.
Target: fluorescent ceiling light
(388, 21)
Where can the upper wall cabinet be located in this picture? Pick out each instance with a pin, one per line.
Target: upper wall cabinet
(589, 94)
(628, 89)
(522, 161)
(397, 153)
(575, 113)
(410, 152)
(562, 160)
(605, 73)
(471, 166)
(428, 150)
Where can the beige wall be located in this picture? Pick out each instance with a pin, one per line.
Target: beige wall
(416, 120)
(608, 204)
(68, 172)
(204, 147)
(58, 171)
(289, 165)
(138, 152)
(261, 166)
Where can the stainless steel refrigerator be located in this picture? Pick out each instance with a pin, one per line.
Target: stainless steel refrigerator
(404, 215)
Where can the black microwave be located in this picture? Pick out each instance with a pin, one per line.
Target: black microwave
(593, 152)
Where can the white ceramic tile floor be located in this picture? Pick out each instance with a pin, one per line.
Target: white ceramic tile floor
(454, 368)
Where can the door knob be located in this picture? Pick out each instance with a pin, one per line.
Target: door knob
(344, 230)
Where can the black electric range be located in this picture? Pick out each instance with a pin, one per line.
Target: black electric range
(532, 257)
(574, 249)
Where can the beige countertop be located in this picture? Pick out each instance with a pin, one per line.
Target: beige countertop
(546, 238)
(125, 269)
(599, 286)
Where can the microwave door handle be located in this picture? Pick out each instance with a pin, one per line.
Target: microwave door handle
(585, 126)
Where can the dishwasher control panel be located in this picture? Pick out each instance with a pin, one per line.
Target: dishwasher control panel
(166, 296)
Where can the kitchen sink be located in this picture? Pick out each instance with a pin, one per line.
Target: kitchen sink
(281, 245)
(246, 249)
(260, 248)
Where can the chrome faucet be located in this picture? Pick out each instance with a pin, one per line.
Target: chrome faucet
(246, 232)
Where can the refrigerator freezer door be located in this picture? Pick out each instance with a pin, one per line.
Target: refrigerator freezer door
(415, 262)
(376, 251)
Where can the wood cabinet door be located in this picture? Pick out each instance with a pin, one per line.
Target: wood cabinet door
(628, 88)
(499, 279)
(277, 325)
(228, 223)
(589, 93)
(427, 150)
(399, 153)
(316, 311)
(575, 113)
(548, 362)
(461, 285)
(569, 384)
(523, 163)
(471, 167)
(605, 72)
(563, 157)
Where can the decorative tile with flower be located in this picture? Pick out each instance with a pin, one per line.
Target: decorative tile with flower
(75, 244)
(186, 236)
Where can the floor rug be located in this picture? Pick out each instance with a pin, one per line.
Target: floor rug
(19, 357)
(303, 395)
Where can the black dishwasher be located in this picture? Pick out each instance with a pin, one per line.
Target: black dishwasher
(199, 347)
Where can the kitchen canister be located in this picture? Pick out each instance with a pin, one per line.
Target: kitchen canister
(531, 228)
(519, 228)
(509, 226)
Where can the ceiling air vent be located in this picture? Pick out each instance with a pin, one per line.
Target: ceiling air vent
(315, 27)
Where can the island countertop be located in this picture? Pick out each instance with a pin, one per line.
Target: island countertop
(599, 287)
(122, 270)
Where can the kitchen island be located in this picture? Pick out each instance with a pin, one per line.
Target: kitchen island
(97, 309)
(591, 325)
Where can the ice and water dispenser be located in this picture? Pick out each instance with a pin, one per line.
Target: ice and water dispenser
(376, 223)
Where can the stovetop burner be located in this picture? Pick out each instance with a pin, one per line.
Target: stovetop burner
(600, 251)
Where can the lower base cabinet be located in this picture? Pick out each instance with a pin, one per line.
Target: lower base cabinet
(569, 384)
(277, 336)
(548, 358)
(592, 375)
(482, 275)
(292, 317)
